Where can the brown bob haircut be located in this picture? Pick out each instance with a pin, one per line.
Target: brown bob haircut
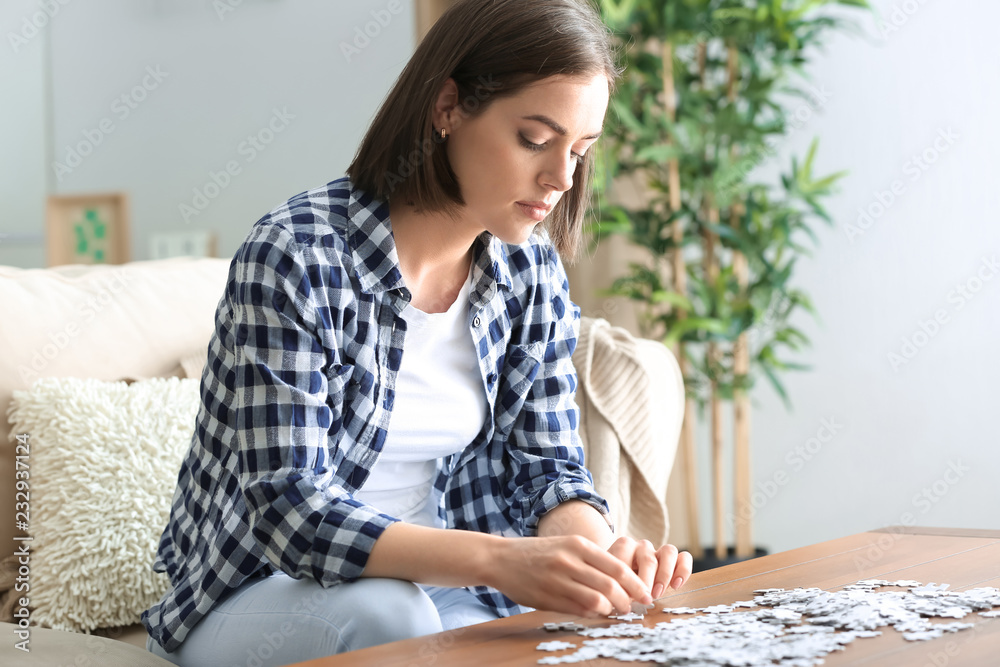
(492, 49)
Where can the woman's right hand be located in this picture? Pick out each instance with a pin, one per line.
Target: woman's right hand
(568, 574)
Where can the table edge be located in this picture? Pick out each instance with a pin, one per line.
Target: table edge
(939, 532)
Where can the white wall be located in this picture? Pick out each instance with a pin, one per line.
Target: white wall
(23, 117)
(221, 77)
(903, 425)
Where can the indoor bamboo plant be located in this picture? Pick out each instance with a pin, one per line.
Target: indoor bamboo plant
(708, 88)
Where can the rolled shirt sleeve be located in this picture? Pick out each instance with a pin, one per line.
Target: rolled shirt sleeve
(545, 454)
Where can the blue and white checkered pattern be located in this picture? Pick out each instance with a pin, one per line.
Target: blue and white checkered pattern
(298, 390)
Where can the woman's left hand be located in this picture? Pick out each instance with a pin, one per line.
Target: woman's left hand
(659, 568)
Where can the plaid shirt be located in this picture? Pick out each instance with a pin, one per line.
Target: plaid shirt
(297, 395)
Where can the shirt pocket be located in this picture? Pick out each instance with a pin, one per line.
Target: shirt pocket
(520, 368)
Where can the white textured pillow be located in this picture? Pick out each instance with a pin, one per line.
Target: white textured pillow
(103, 463)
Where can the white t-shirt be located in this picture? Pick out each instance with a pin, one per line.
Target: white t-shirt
(438, 409)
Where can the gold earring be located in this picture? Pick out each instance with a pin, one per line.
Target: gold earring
(444, 134)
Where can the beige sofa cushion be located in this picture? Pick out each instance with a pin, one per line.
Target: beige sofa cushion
(103, 322)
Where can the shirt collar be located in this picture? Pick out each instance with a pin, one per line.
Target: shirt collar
(373, 249)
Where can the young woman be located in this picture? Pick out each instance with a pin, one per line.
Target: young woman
(387, 444)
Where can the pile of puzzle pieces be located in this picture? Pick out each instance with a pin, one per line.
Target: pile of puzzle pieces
(795, 627)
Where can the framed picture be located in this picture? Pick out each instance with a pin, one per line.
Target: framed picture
(87, 229)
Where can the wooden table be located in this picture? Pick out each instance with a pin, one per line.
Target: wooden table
(961, 558)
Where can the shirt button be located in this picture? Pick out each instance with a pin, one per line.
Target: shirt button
(491, 378)
(476, 322)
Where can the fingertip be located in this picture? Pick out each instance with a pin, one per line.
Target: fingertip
(657, 589)
(640, 592)
(677, 583)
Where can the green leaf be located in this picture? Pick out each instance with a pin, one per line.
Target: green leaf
(808, 6)
(795, 367)
(627, 118)
(792, 337)
(825, 183)
(808, 164)
(778, 387)
(659, 153)
(692, 324)
(673, 298)
(733, 13)
(617, 13)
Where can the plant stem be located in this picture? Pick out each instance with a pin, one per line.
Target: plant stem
(741, 366)
(680, 286)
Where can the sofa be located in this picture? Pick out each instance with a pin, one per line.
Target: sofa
(105, 361)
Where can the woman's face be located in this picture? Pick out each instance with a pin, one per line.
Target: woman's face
(515, 160)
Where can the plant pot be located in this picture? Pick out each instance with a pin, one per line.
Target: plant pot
(710, 562)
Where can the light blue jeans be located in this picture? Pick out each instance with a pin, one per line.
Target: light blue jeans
(278, 620)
